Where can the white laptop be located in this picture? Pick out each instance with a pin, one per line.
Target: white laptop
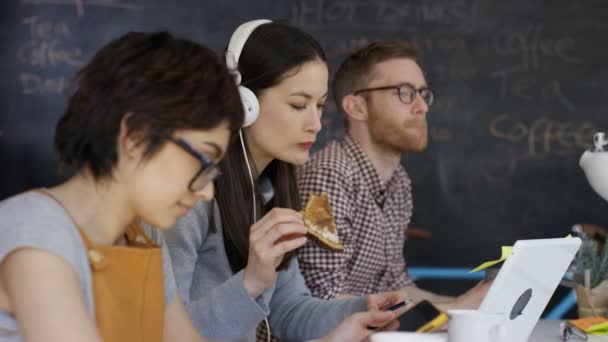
(526, 281)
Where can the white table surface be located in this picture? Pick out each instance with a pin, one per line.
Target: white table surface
(545, 331)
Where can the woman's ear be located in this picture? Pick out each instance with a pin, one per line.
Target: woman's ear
(129, 143)
(207, 193)
(355, 107)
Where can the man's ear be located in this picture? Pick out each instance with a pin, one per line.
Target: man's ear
(355, 107)
(129, 143)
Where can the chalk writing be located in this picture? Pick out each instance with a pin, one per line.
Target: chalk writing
(79, 5)
(425, 44)
(36, 84)
(46, 29)
(338, 50)
(543, 136)
(531, 46)
(49, 53)
(46, 49)
(526, 86)
(381, 15)
(45, 45)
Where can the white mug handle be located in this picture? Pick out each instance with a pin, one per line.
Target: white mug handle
(497, 333)
(599, 140)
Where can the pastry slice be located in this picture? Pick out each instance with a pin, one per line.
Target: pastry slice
(320, 222)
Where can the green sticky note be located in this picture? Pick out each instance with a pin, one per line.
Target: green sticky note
(506, 251)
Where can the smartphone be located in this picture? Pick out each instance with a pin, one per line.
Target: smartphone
(422, 317)
(401, 307)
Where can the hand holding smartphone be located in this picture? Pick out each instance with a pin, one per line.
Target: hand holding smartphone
(398, 309)
(401, 307)
(419, 317)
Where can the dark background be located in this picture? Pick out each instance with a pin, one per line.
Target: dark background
(519, 84)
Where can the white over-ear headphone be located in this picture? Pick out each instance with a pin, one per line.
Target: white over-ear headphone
(235, 47)
(250, 101)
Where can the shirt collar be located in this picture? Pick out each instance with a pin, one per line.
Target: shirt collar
(368, 172)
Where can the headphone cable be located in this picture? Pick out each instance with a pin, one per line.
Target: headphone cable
(254, 208)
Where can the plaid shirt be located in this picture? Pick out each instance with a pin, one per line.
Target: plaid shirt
(371, 219)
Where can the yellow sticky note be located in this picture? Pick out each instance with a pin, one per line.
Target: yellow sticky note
(506, 251)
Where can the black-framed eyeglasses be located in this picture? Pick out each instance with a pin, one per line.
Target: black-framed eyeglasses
(407, 92)
(208, 171)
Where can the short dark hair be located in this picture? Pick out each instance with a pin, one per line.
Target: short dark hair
(162, 83)
(272, 52)
(357, 70)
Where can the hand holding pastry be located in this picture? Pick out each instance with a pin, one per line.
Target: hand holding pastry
(276, 233)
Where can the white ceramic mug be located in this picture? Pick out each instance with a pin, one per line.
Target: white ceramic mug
(475, 326)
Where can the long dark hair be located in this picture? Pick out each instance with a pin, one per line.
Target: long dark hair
(270, 53)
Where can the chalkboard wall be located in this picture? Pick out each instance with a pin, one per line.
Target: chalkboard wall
(521, 87)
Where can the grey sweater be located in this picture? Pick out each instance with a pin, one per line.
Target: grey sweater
(217, 301)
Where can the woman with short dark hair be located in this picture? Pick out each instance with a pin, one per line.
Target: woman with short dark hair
(150, 118)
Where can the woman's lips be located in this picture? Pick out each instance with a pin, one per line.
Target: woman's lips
(306, 146)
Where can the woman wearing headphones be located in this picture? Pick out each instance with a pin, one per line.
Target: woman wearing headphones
(233, 257)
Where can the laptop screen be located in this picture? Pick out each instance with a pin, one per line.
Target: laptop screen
(527, 280)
